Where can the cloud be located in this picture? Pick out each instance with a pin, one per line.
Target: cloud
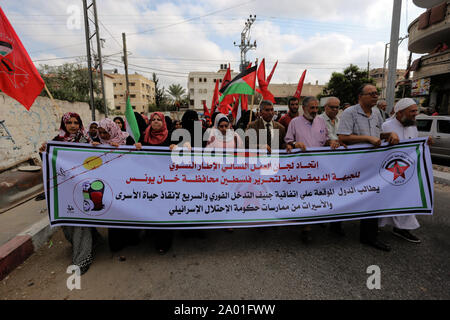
(181, 36)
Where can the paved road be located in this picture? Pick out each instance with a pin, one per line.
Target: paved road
(251, 264)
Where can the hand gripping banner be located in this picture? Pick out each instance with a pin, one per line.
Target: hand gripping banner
(157, 188)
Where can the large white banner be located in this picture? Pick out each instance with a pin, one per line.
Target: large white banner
(156, 188)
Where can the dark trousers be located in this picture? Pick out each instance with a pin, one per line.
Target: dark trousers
(368, 230)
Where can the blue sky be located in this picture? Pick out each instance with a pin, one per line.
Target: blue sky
(175, 37)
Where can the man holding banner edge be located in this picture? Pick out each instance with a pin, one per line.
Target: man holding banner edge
(362, 123)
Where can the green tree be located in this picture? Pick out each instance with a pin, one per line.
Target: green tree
(160, 96)
(177, 92)
(70, 82)
(345, 85)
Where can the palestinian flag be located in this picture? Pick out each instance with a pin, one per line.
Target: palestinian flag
(131, 125)
(243, 83)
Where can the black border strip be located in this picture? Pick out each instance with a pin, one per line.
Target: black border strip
(241, 224)
(427, 176)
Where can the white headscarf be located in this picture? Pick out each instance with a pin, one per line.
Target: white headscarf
(404, 103)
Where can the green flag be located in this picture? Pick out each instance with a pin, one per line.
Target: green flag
(132, 126)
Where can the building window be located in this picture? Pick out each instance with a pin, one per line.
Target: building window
(205, 91)
(132, 84)
(220, 80)
(115, 96)
(132, 96)
(191, 102)
(117, 107)
(134, 107)
(199, 79)
(115, 84)
(203, 101)
(191, 79)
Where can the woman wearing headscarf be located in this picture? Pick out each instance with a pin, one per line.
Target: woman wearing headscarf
(119, 121)
(82, 239)
(190, 117)
(157, 134)
(110, 133)
(222, 136)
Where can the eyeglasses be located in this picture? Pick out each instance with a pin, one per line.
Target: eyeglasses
(372, 94)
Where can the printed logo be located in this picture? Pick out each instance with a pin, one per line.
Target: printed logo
(18, 76)
(397, 168)
(92, 197)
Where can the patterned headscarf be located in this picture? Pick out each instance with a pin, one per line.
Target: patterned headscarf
(156, 137)
(116, 135)
(65, 135)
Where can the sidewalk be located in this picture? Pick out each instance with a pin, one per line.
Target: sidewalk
(25, 228)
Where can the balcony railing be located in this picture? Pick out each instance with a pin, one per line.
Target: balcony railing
(433, 64)
(425, 34)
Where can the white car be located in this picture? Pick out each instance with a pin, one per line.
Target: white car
(437, 127)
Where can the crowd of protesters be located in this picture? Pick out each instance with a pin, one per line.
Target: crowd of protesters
(338, 126)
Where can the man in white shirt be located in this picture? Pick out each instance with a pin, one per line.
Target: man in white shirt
(404, 125)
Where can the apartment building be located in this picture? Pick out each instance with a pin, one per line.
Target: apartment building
(142, 92)
(429, 34)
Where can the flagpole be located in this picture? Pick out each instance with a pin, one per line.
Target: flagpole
(57, 107)
(253, 99)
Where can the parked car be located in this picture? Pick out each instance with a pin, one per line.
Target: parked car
(437, 127)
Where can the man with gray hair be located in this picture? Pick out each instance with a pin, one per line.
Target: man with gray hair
(308, 131)
(266, 127)
(381, 105)
(330, 116)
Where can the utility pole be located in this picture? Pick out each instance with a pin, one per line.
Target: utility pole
(245, 42)
(89, 60)
(99, 57)
(125, 62)
(393, 52)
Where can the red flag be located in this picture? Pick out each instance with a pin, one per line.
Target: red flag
(230, 98)
(205, 110)
(226, 78)
(298, 93)
(263, 84)
(215, 99)
(244, 102)
(271, 73)
(19, 78)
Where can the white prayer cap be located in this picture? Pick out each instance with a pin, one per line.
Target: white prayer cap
(404, 103)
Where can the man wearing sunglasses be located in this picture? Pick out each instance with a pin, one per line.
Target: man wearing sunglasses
(362, 123)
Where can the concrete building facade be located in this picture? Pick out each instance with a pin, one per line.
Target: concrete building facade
(142, 92)
(381, 78)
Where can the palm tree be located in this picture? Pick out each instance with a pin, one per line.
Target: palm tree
(176, 91)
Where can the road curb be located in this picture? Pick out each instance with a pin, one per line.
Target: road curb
(17, 250)
(441, 177)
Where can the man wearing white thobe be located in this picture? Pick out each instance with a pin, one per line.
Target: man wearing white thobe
(404, 125)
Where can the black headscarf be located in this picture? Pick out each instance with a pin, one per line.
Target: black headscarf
(123, 123)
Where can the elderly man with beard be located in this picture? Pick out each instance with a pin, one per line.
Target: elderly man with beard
(308, 131)
(362, 123)
(293, 105)
(404, 125)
